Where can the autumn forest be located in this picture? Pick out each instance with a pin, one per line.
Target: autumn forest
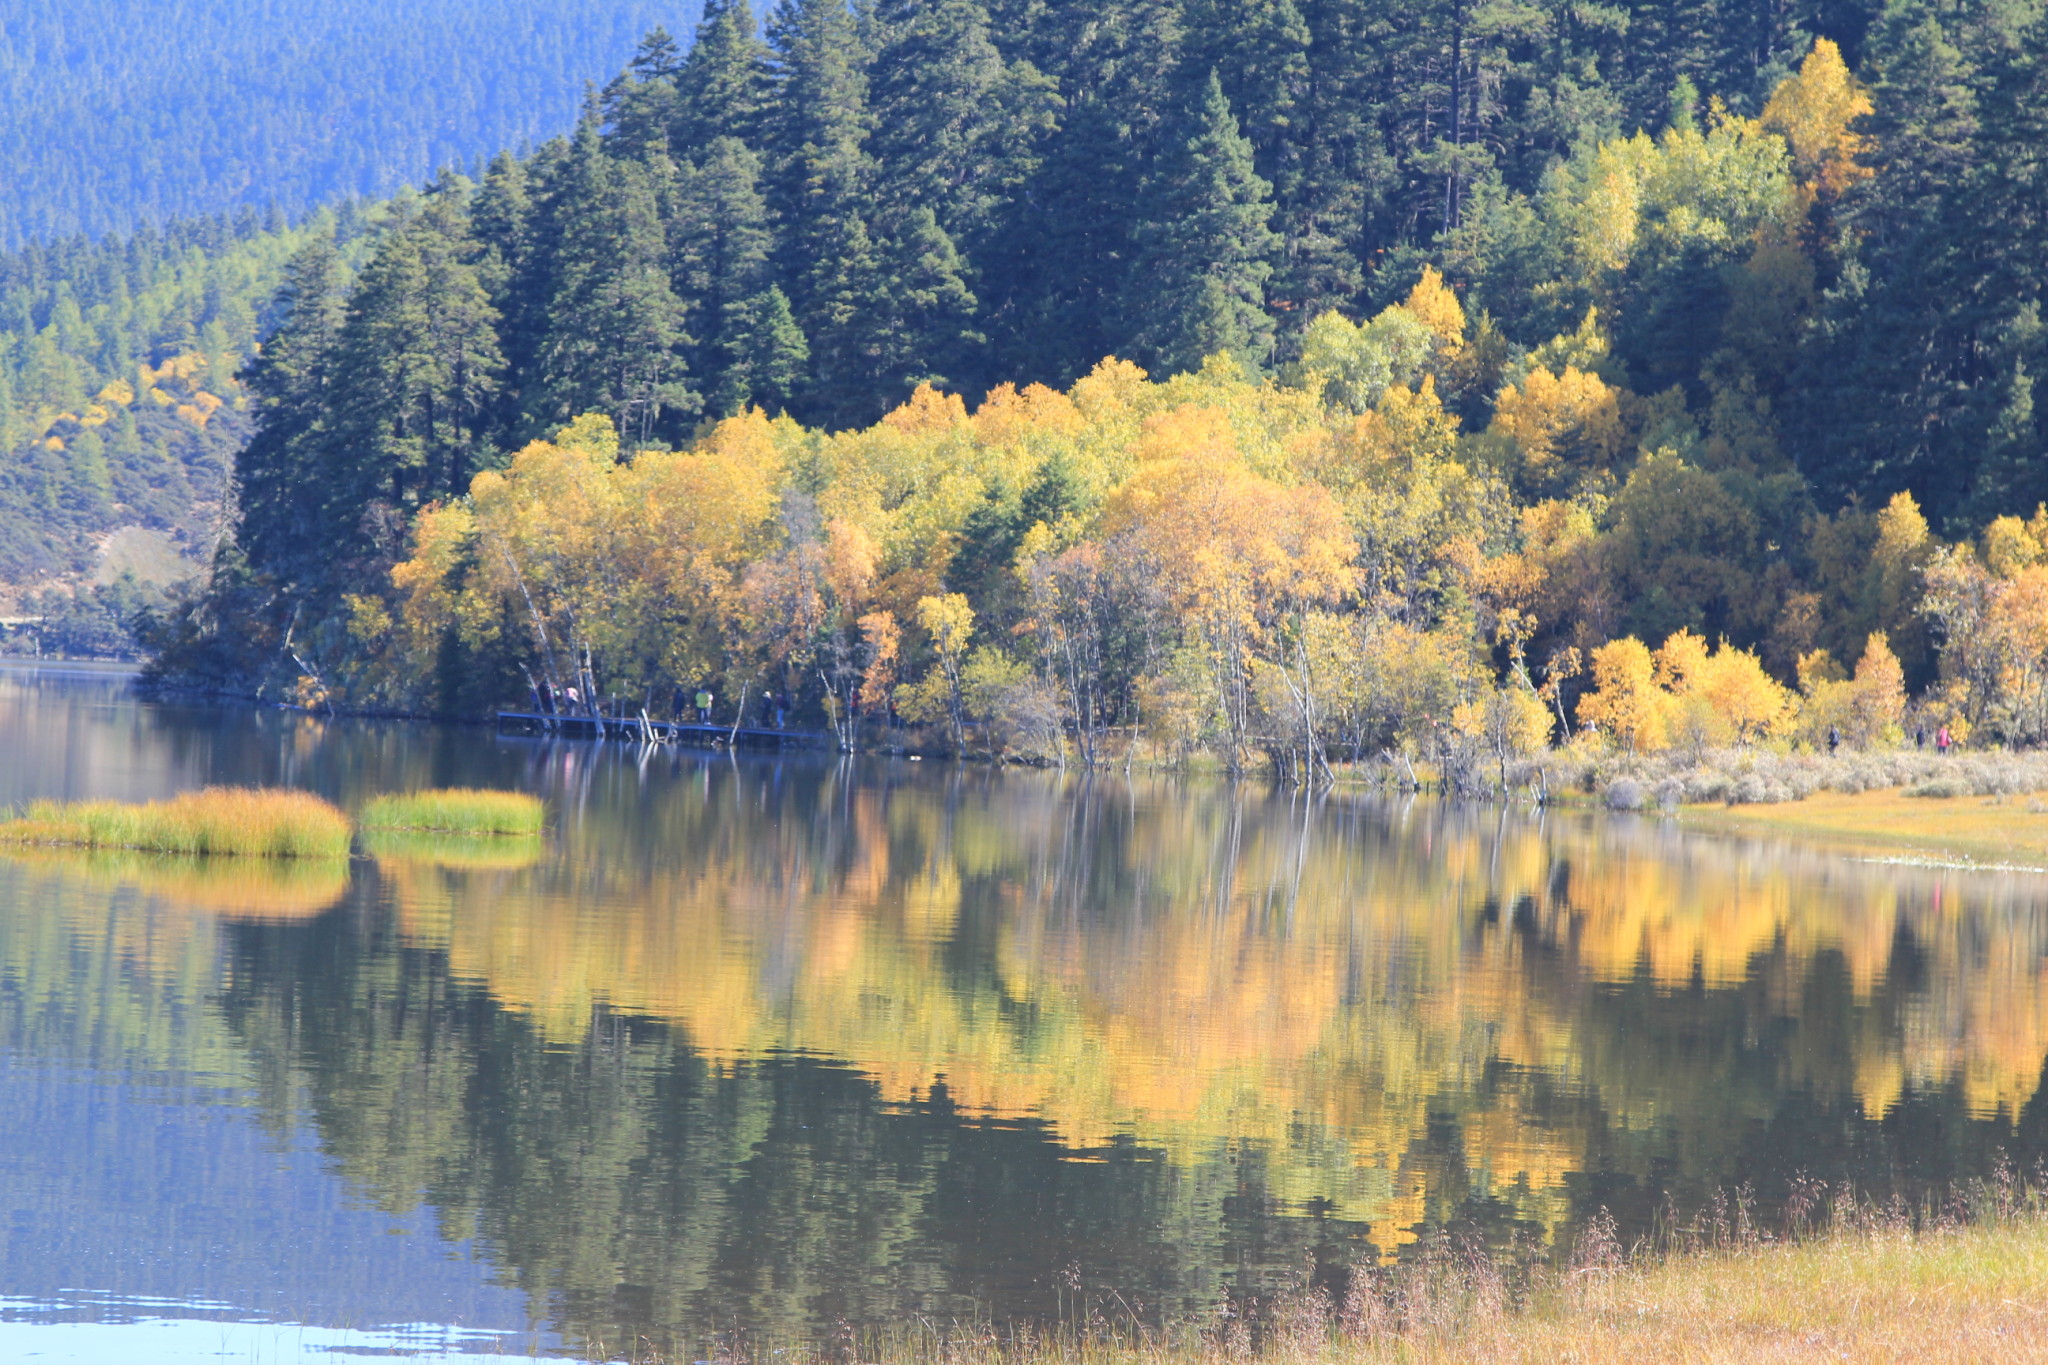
(1264, 382)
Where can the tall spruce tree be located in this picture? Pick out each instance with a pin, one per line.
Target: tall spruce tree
(615, 340)
(642, 105)
(925, 314)
(722, 265)
(418, 366)
(722, 87)
(279, 484)
(820, 184)
(767, 356)
(1206, 248)
(1920, 347)
(951, 117)
(1054, 275)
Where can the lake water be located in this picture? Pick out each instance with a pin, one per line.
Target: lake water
(783, 1047)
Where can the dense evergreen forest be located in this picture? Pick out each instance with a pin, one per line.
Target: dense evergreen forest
(1475, 341)
(114, 116)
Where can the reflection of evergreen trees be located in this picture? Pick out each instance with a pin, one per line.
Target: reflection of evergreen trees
(630, 1186)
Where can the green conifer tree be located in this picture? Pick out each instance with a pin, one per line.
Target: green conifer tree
(418, 362)
(767, 356)
(722, 244)
(926, 311)
(722, 87)
(280, 486)
(615, 339)
(1206, 250)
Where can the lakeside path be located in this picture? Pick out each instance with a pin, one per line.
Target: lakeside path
(1977, 830)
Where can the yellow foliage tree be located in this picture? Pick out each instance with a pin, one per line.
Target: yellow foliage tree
(1816, 111)
(1626, 701)
(1560, 425)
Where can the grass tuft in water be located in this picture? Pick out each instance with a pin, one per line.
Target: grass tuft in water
(464, 852)
(266, 822)
(457, 810)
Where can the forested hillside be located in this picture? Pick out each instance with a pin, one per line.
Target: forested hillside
(113, 115)
(120, 411)
(1504, 337)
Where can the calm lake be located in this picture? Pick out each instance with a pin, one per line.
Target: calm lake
(779, 1046)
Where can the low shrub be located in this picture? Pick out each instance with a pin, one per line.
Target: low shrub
(269, 822)
(1625, 793)
(1752, 776)
(457, 810)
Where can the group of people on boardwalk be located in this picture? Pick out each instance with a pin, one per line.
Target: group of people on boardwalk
(699, 708)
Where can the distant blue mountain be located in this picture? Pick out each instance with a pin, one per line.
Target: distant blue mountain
(114, 114)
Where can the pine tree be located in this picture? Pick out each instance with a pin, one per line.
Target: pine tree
(504, 220)
(417, 361)
(1921, 365)
(843, 326)
(1054, 273)
(722, 86)
(926, 311)
(767, 356)
(820, 180)
(642, 105)
(281, 490)
(952, 120)
(615, 339)
(1206, 249)
(722, 245)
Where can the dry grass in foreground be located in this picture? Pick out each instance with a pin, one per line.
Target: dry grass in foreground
(1976, 1294)
(1971, 1286)
(457, 810)
(270, 822)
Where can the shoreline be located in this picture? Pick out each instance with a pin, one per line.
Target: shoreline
(1988, 833)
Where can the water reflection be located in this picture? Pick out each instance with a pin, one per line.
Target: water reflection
(771, 1045)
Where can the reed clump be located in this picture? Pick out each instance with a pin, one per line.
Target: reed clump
(457, 810)
(264, 822)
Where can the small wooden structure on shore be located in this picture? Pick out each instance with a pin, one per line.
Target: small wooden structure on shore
(658, 731)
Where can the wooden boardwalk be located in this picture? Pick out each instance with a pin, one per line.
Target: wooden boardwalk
(661, 731)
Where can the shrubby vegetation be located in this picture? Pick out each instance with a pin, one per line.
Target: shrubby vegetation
(456, 810)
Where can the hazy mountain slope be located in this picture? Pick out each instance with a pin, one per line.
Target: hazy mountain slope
(114, 114)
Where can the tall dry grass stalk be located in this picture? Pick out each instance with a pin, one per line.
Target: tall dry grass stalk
(457, 810)
(269, 822)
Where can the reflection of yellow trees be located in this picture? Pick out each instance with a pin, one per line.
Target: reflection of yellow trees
(1200, 973)
(235, 888)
